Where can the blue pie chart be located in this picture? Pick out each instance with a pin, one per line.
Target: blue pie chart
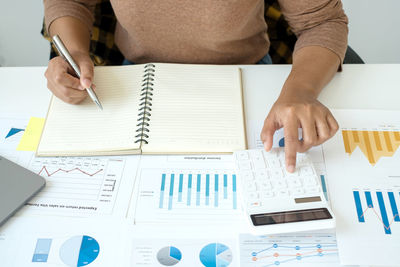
(169, 256)
(79, 251)
(216, 255)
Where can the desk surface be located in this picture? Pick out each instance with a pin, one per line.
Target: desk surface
(23, 89)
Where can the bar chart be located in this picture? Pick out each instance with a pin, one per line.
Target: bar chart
(168, 194)
(203, 192)
(374, 144)
(384, 206)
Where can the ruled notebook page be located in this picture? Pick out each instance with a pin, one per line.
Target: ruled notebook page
(196, 109)
(84, 129)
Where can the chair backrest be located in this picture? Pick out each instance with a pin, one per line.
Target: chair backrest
(104, 52)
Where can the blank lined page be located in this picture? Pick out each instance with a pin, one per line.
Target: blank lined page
(196, 109)
(84, 129)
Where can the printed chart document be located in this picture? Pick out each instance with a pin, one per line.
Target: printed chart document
(151, 109)
(297, 249)
(63, 242)
(187, 189)
(74, 185)
(364, 180)
(181, 246)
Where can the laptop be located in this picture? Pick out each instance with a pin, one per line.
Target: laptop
(17, 186)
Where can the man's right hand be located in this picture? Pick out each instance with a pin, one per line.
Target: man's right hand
(63, 83)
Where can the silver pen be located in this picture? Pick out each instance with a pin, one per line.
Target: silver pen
(62, 50)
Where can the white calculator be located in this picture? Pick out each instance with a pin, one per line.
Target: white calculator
(277, 201)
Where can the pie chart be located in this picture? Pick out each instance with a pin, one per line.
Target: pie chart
(216, 255)
(169, 256)
(79, 251)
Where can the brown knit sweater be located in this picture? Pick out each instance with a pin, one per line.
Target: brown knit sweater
(209, 31)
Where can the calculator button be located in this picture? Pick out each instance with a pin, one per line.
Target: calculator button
(247, 176)
(253, 196)
(261, 175)
(242, 155)
(244, 165)
(267, 194)
(258, 159)
(283, 193)
(279, 184)
(274, 163)
(251, 187)
(314, 189)
(306, 170)
(276, 173)
(310, 181)
(297, 191)
(294, 182)
(254, 204)
(265, 186)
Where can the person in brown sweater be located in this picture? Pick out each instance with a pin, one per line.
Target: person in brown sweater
(215, 32)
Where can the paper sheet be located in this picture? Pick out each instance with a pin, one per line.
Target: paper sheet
(364, 181)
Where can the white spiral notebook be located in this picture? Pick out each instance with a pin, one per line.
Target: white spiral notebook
(151, 109)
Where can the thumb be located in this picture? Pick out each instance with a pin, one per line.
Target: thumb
(87, 72)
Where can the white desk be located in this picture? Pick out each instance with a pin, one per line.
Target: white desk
(358, 86)
(23, 90)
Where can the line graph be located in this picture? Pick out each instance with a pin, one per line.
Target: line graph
(307, 250)
(44, 169)
(78, 183)
(379, 197)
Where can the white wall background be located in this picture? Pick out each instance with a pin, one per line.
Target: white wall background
(374, 31)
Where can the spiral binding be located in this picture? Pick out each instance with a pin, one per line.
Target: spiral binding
(146, 96)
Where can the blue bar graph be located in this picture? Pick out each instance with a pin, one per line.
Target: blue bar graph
(42, 250)
(359, 209)
(216, 190)
(180, 187)
(207, 189)
(162, 190)
(171, 191)
(189, 192)
(369, 199)
(234, 191)
(383, 214)
(225, 186)
(323, 183)
(395, 211)
(198, 190)
(382, 207)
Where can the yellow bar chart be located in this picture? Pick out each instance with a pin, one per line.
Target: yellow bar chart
(374, 144)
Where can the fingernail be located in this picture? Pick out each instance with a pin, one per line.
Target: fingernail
(86, 82)
(291, 168)
(266, 147)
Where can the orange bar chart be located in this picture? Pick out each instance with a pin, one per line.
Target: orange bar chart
(374, 144)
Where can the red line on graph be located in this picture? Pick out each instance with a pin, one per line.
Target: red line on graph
(276, 255)
(379, 217)
(67, 171)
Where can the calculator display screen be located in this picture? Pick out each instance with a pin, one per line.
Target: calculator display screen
(290, 216)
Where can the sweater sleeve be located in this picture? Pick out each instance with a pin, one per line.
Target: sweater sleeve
(80, 9)
(317, 23)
